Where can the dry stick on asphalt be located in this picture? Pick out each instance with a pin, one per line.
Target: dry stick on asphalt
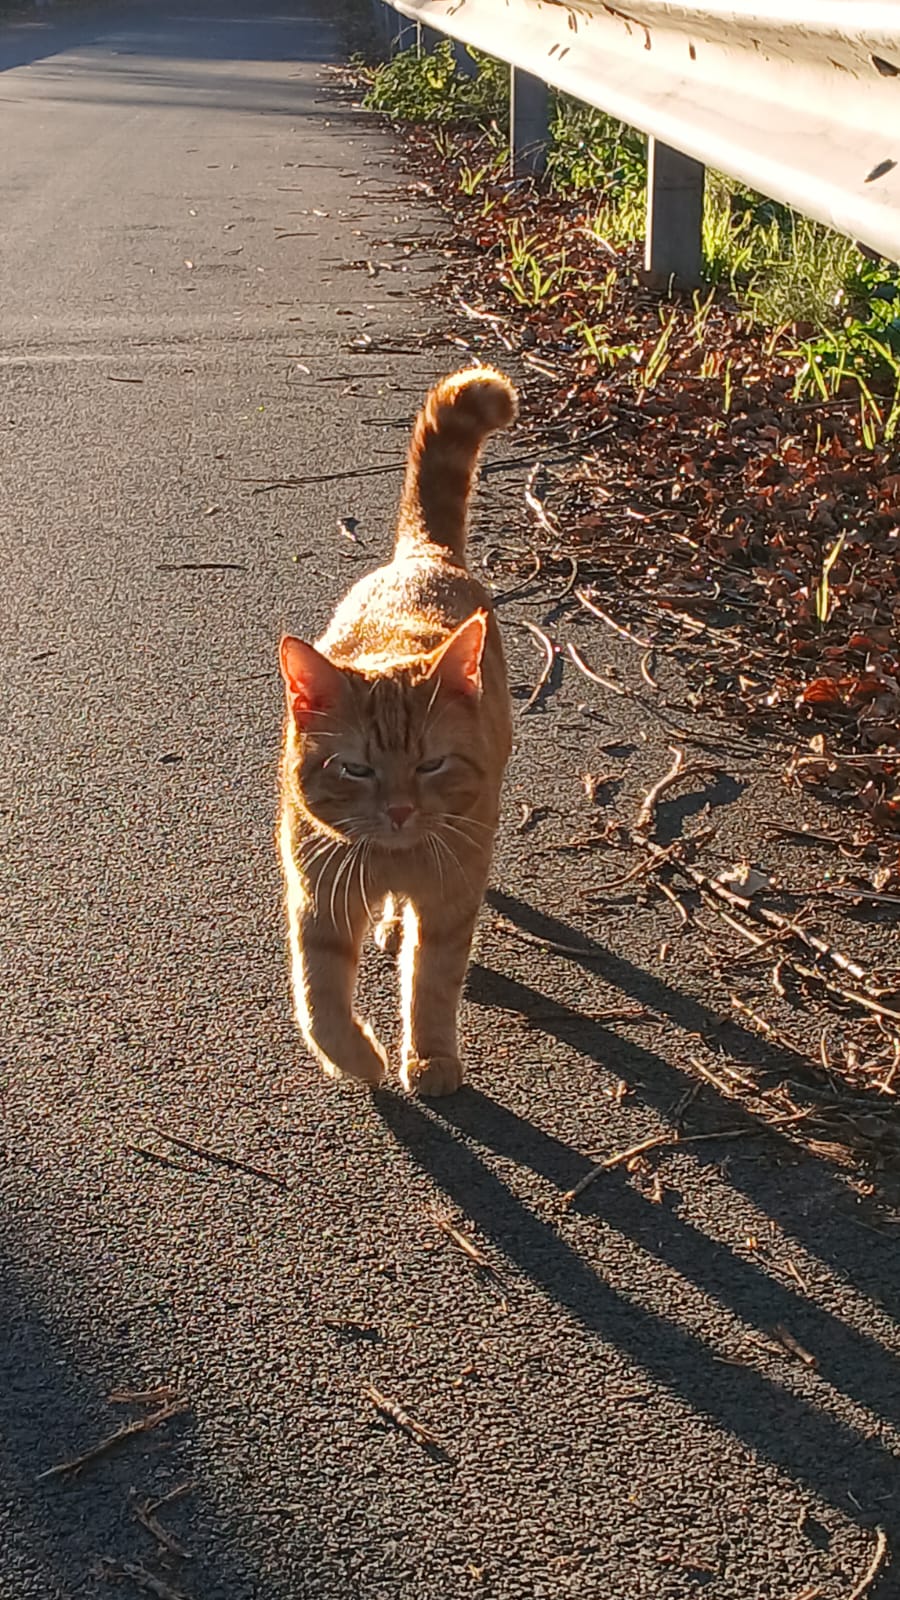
(793, 1346)
(676, 774)
(626, 694)
(670, 894)
(115, 1571)
(177, 1493)
(503, 925)
(643, 868)
(222, 1161)
(595, 677)
(717, 894)
(875, 1565)
(625, 633)
(162, 1395)
(536, 507)
(165, 1161)
(144, 1512)
(768, 1031)
(790, 928)
(389, 1408)
(672, 1139)
(646, 674)
(127, 1431)
(467, 1247)
(648, 807)
(852, 996)
(550, 650)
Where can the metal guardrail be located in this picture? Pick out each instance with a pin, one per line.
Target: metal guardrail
(799, 99)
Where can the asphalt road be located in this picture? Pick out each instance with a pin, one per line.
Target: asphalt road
(204, 282)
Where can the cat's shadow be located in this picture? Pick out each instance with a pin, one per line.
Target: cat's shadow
(456, 1140)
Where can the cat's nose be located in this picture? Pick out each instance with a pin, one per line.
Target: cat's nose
(399, 814)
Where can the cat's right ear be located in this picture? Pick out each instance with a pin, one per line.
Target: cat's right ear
(313, 685)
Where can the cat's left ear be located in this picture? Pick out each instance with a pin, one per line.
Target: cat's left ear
(313, 684)
(458, 662)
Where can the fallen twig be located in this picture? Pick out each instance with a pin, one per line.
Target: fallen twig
(467, 1247)
(115, 1571)
(648, 806)
(646, 674)
(793, 1346)
(670, 894)
(556, 945)
(672, 1139)
(625, 633)
(145, 1511)
(536, 507)
(625, 693)
(767, 1030)
(173, 1408)
(879, 1558)
(550, 650)
(162, 1395)
(200, 566)
(231, 1162)
(172, 1494)
(389, 1408)
(676, 774)
(717, 894)
(163, 1161)
(595, 677)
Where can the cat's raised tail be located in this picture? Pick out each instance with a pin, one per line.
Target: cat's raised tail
(449, 432)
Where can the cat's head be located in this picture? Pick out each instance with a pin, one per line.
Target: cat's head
(395, 757)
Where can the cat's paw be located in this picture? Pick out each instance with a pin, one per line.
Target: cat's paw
(389, 935)
(431, 1075)
(363, 1059)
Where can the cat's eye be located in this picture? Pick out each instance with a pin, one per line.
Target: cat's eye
(425, 767)
(356, 769)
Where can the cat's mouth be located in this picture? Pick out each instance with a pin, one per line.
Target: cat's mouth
(398, 839)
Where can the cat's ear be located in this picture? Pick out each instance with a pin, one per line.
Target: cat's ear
(313, 685)
(458, 662)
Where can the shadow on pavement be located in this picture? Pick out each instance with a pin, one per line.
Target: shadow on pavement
(204, 32)
(58, 1533)
(872, 1269)
(811, 1444)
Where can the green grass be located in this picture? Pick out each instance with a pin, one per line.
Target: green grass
(836, 311)
(429, 88)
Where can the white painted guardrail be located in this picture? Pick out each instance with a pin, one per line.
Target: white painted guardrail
(800, 100)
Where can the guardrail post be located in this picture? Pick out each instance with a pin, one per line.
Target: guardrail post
(674, 247)
(405, 34)
(395, 31)
(529, 123)
(381, 15)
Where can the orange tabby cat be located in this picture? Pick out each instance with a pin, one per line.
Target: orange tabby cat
(398, 732)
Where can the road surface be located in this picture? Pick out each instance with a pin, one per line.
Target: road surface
(206, 287)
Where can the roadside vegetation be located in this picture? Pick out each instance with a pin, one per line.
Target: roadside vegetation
(820, 300)
(734, 468)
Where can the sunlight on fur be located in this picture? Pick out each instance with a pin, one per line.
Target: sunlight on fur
(397, 735)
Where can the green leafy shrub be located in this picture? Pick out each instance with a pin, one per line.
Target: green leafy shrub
(430, 88)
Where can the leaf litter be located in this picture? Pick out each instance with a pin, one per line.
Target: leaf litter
(698, 507)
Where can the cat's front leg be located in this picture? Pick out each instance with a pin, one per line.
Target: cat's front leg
(324, 960)
(433, 961)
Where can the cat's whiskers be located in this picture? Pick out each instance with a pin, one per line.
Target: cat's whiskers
(363, 862)
(448, 848)
(430, 706)
(472, 822)
(459, 833)
(434, 851)
(335, 880)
